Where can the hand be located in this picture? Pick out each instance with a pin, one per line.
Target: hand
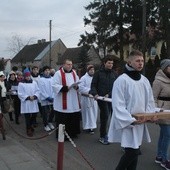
(106, 95)
(140, 121)
(91, 96)
(96, 96)
(31, 98)
(49, 99)
(75, 87)
(154, 119)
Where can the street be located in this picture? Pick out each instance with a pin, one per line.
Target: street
(98, 156)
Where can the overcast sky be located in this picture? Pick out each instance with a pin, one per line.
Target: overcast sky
(30, 19)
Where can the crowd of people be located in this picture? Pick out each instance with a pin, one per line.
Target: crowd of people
(64, 98)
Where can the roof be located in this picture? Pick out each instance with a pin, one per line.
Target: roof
(30, 52)
(72, 54)
(5, 59)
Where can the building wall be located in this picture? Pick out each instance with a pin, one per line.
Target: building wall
(128, 48)
(94, 57)
(58, 49)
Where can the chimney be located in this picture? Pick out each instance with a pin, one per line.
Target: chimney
(43, 40)
(39, 42)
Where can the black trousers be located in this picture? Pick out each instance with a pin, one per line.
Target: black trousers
(105, 112)
(17, 108)
(129, 160)
(47, 114)
(71, 122)
(30, 119)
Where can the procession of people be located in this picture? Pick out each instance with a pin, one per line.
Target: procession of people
(62, 97)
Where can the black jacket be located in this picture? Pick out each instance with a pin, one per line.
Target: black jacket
(102, 82)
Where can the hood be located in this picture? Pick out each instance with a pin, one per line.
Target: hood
(160, 75)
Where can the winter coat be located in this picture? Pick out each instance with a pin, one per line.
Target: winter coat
(161, 92)
(102, 82)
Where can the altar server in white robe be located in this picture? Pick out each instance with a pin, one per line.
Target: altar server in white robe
(28, 93)
(46, 98)
(131, 94)
(66, 100)
(89, 107)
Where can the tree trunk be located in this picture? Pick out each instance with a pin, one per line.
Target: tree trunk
(121, 30)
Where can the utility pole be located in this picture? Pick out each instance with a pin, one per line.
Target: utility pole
(50, 43)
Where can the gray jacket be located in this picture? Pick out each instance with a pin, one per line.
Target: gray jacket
(161, 92)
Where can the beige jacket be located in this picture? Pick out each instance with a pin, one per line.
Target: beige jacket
(161, 88)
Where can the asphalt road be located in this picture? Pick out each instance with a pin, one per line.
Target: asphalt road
(96, 155)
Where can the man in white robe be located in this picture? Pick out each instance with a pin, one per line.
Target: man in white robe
(66, 100)
(131, 94)
(28, 93)
(89, 107)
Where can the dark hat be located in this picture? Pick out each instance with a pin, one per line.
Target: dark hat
(45, 68)
(89, 67)
(165, 63)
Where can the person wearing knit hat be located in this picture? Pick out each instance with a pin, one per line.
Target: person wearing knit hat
(27, 72)
(165, 63)
(28, 93)
(161, 92)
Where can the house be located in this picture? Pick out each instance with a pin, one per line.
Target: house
(40, 54)
(74, 54)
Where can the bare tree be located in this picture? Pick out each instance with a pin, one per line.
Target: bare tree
(16, 43)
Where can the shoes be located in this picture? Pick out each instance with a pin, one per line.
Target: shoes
(166, 164)
(17, 122)
(158, 160)
(91, 131)
(51, 126)
(47, 128)
(29, 132)
(32, 129)
(11, 119)
(104, 140)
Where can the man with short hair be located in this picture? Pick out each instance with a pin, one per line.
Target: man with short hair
(131, 94)
(101, 85)
(66, 100)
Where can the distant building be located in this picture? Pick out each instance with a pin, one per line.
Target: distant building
(39, 54)
(74, 54)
